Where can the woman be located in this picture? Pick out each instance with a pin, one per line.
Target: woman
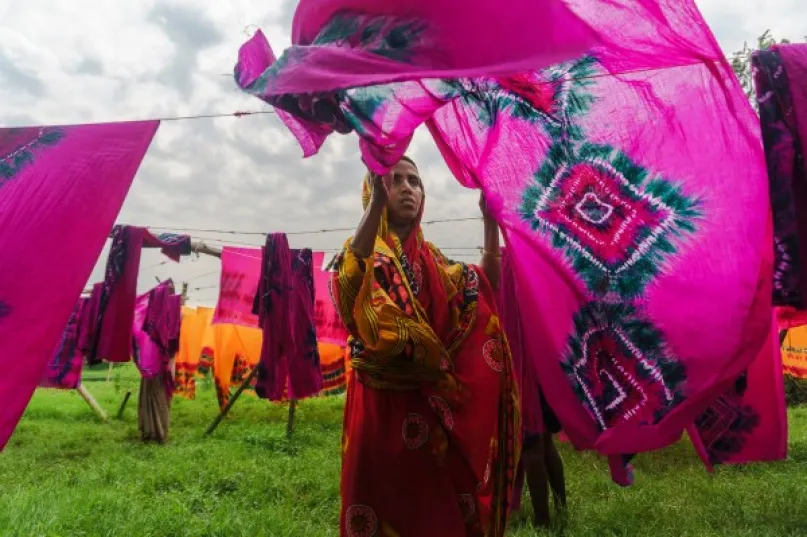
(428, 442)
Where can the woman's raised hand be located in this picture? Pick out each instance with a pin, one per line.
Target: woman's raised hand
(381, 186)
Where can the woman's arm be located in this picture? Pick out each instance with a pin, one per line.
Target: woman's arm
(364, 238)
(491, 255)
(202, 248)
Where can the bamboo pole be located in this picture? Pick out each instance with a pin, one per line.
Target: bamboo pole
(290, 422)
(123, 404)
(92, 402)
(232, 401)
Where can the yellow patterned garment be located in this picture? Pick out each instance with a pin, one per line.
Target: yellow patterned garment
(432, 393)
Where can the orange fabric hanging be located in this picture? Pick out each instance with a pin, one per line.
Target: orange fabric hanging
(192, 333)
(794, 352)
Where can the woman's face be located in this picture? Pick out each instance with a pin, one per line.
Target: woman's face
(406, 194)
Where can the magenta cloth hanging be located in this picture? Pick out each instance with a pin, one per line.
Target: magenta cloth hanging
(49, 246)
(507, 301)
(113, 324)
(64, 368)
(616, 177)
(330, 328)
(240, 273)
(284, 303)
(155, 332)
(748, 423)
(406, 40)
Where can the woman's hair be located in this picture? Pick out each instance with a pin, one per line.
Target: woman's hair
(410, 161)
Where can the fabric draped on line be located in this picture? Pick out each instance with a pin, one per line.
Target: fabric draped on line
(192, 331)
(617, 232)
(780, 78)
(284, 303)
(238, 351)
(432, 389)
(116, 295)
(155, 341)
(794, 353)
(45, 174)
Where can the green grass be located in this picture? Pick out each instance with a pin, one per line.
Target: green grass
(66, 474)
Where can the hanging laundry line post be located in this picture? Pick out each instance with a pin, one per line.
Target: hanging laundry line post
(231, 402)
(290, 420)
(92, 402)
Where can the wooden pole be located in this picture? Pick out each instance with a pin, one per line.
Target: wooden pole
(290, 422)
(123, 404)
(782, 336)
(92, 402)
(109, 372)
(232, 401)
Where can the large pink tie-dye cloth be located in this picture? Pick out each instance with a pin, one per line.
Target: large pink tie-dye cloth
(51, 179)
(631, 188)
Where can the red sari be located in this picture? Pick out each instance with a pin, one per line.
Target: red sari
(428, 443)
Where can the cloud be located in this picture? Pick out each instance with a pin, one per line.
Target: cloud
(191, 32)
(89, 66)
(14, 76)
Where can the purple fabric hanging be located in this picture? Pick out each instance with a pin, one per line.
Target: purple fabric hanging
(284, 303)
(117, 293)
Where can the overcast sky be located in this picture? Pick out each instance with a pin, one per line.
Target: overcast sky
(96, 60)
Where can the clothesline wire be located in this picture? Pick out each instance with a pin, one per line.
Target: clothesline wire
(202, 275)
(156, 266)
(236, 114)
(205, 287)
(239, 114)
(308, 232)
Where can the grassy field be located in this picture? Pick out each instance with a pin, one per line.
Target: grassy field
(66, 474)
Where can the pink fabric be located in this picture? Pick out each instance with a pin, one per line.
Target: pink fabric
(146, 354)
(507, 302)
(330, 328)
(748, 423)
(289, 365)
(617, 177)
(155, 332)
(164, 317)
(51, 179)
(64, 368)
(409, 39)
(114, 321)
(240, 273)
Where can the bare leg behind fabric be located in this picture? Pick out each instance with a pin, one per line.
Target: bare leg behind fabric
(555, 473)
(535, 467)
